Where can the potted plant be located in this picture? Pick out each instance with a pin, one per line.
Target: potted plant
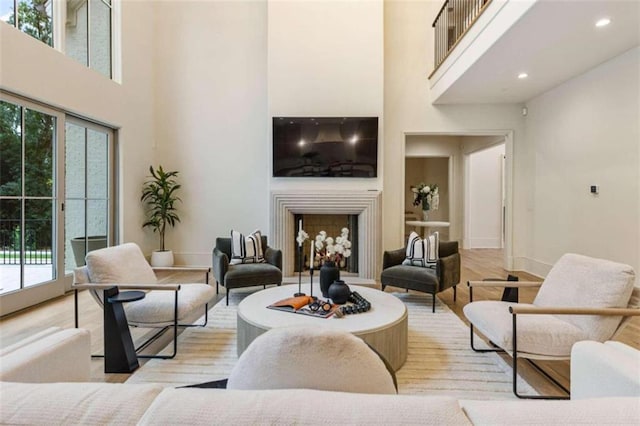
(159, 195)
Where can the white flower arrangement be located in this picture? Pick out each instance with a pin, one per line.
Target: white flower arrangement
(427, 196)
(330, 249)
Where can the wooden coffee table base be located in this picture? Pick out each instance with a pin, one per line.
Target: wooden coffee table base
(388, 336)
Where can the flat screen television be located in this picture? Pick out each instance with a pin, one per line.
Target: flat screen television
(325, 147)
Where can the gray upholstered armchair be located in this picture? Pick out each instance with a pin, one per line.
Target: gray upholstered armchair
(245, 274)
(428, 280)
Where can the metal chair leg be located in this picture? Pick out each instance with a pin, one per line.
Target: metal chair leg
(515, 371)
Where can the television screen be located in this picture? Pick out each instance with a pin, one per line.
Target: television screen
(325, 147)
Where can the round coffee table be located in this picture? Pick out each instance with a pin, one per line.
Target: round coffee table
(384, 327)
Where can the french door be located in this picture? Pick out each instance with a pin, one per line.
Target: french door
(56, 175)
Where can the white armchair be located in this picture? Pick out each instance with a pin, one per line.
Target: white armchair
(582, 298)
(164, 306)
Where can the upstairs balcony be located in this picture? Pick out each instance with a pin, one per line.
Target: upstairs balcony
(482, 46)
(451, 24)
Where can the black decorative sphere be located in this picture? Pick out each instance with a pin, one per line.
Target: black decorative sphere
(339, 292)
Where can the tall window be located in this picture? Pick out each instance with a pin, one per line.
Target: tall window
(88, 33)
(34, 17)
(85, 27)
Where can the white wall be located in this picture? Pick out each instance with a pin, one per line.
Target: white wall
(408, 110)
(585, 132)
(326, 58)
(484, 192)
(211, 106)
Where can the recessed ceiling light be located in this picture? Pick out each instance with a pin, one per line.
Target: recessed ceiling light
(603, 22)
(523, 75)
(301, 142)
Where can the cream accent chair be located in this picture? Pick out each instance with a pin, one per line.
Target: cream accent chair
(164, 306)
(582, 298)
(312, 358)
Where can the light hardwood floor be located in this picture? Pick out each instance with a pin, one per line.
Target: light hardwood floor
(476, 265)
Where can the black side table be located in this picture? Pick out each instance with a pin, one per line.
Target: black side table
(119, 352)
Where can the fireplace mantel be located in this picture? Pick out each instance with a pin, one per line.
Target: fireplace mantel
(365, 204)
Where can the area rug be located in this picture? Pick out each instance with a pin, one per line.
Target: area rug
(439, 362)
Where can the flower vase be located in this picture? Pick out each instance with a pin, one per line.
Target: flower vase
(329, 273)
(339, 292)
(425, 215)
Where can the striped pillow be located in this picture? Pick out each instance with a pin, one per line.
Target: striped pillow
(421, 252)
(246, 249)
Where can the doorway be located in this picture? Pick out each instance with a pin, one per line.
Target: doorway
(485, 198)
(456, 146)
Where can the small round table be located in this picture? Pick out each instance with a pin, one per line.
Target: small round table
(384, 327)
(427, 225)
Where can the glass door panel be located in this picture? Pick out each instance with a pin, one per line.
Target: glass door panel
(27, 197)
(88, 202)
(10, 241)
(38, 231)
(11, 148)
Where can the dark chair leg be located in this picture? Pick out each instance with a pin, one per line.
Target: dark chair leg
(454, 292)
(228, 291)
(544, 373)
(433, 306)
(383, 287)
(406, 290)
(264, 287)
(217, 290)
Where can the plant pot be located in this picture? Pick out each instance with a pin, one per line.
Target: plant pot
(162, 258)
(329, 273)
(80, 249)
(339, 292)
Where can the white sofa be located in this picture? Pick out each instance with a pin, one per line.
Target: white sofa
(109, 403)
(51, 355)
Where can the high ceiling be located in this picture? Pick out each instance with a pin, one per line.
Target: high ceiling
(554, 41)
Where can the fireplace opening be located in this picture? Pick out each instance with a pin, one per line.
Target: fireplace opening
(332, 224)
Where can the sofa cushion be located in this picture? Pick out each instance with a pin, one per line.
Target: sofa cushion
(537, 334)
(600, 411)
(250, 274)
(298, 406)
(157, 307)
(411, 277)
(577, 280)
(122, 264)
(74, 403)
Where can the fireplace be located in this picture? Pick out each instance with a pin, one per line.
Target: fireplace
(285, 205)
(332, 224)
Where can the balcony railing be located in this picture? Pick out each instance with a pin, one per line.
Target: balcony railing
(453, 21)
(37, 240)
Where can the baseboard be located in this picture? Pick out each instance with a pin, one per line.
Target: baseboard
(531, 266)
(483, 243)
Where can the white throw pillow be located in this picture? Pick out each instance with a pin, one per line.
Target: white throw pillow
(421, 252)
(246, 249)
